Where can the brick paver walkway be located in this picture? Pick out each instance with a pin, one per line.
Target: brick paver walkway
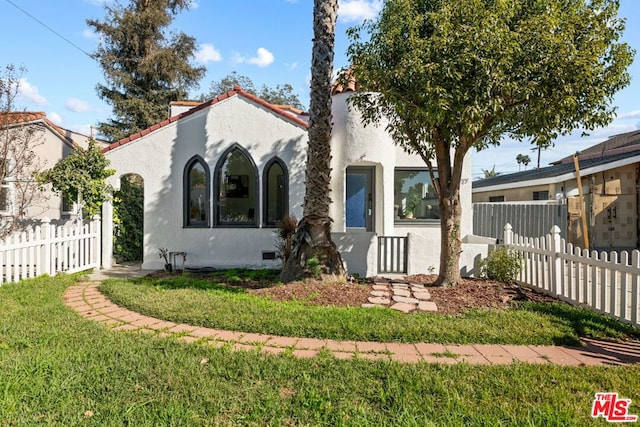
(88, 301)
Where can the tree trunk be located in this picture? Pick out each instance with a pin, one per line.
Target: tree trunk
(313, 236)
(448, 184)
(450, 240)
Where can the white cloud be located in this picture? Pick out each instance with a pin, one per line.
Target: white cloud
(77, 106)
(98, 2)
(263, 59)
(629, 115)
(358, 10)
(291, 66)
(54, 117)
(291, 1)
(30, 93)
(207, 53)
(89, 34)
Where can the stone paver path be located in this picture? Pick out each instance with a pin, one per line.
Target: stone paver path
(89, 302)
(401, 296)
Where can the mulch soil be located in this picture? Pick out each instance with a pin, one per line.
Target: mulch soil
(468, 294)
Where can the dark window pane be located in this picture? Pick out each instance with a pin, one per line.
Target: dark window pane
(198, 208)
(276, 194)
(236, 192)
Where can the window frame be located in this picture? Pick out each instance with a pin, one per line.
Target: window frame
(186, 193)
(536, 195)
(216, 188)
(7, 184)
(416, 221)
(7, 210)
(265, 190)
(69, 204)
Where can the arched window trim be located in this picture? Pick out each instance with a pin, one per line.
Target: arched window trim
(265, 188)
(216, 186)
(186, 179)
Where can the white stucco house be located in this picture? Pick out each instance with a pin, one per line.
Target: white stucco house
(219, 176)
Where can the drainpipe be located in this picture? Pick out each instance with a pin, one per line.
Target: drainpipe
(583, 213)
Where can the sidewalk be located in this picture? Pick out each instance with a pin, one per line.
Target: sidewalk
(89, 302)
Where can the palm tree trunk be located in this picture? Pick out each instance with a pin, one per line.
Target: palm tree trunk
(313, 236)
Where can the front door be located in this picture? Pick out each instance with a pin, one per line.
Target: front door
(359, 198)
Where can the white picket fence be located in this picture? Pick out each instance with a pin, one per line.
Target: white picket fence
(606, 283)
(50, 249)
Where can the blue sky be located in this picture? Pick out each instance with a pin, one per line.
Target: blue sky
(266, 40)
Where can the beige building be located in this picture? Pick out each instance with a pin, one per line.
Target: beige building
(610, 177)
(48, 144)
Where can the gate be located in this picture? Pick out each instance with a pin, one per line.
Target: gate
(393, 253)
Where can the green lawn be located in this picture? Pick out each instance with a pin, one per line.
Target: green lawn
(202, 302)
(57, 368)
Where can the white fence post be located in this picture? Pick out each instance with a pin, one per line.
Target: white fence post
(106, 248)
(508, 235)
(556, 262)
(46, 246)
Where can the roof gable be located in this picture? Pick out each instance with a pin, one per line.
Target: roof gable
(30, 117)
(237, 91)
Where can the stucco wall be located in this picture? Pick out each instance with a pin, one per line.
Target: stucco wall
(160, 158)
(516, 194)
(49, 149)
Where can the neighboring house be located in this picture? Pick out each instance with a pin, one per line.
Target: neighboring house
(50, 144)
(219, 176)
(610, 174)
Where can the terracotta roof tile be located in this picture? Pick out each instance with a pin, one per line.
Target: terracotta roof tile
(14, 118)
(20, 117)
(346, 82)
(237, 91)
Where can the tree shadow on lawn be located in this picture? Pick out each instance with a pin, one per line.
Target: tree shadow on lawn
(233, 280)
(584, 323)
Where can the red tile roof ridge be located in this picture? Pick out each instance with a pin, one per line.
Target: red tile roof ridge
(237, 90)
(18, 117)
(14, 117)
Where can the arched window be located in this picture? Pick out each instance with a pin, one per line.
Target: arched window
(196, 193)
(276, 192)
(236, 189)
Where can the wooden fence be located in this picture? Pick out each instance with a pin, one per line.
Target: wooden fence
(527, 219)
(50, 249)
(607, 283)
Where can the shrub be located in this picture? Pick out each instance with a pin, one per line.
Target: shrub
(501, 264)
(284, 235)
(128, 206)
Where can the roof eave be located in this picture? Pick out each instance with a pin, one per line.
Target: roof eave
(560, 177)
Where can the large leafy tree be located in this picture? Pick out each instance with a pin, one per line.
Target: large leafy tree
(452, 75)
(281, 94)
(145, 68)
(312, 239)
